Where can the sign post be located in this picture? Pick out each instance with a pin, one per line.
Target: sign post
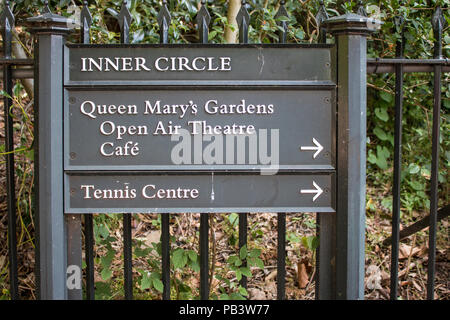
(350, 32)
(50, 31)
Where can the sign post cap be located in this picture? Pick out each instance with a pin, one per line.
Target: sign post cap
(352, 23)
(49, 22)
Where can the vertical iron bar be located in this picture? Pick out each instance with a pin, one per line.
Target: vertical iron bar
(89, 252)
(204, 256)
(243, 226)
(438, 23)
(86, 22)
(74, 273)
(243, 19)
(281, 216)
(321, 16)
(397, 161)
(203, 20)
(281, 256)
(127, 256)
(7, 21)
(124, 18)
(165, 254)
(282, 34)
(164, 22)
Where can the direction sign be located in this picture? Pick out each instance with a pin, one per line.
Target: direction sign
(197, 64)
(206, 192)
(200, 129)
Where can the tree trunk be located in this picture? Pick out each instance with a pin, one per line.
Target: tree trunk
(233, 9)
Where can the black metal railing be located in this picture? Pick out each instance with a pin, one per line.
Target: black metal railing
(399, 66)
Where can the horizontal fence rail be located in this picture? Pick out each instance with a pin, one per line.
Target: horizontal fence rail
(12, 68)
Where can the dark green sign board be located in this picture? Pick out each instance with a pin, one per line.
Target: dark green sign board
(200, 129)
(178, 193)
(172, 65)
(242, 129)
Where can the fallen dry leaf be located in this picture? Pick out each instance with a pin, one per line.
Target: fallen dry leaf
(152, 237)
(271, 276)
(373, 278)
(302, 275)
(405, 251)
(256, 294)
(416, 285)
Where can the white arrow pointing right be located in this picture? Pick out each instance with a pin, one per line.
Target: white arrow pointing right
(318, 191)
(318, 148)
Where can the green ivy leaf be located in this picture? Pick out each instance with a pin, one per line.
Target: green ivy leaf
(254, 253)
(158, 285)
(4, 93)
(106, 273)
(246, 271)
(195, 265)
(243, 252)
(179, 259)
(386, 96)
(146, 282)
(224, 296)
(382, 114)
(233, 219)
(380, 133)
(236, 296)
(259, 263)
(102, 291)
(238, 275)
(416, 185)
(107, 259)
(234, 260)
(243, 291)
(413, 168)
(192, 255)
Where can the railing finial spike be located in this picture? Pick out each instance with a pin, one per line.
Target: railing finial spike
(399, 23)
(203, 19)
(243, 20)
(360, 9)
(282, 12)
(438, 22)
(164, 19)
(124, 18)
(321, 16)
(322, 13)
(7, 17)
(86, 22)
(46, 8)
(7, 22)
